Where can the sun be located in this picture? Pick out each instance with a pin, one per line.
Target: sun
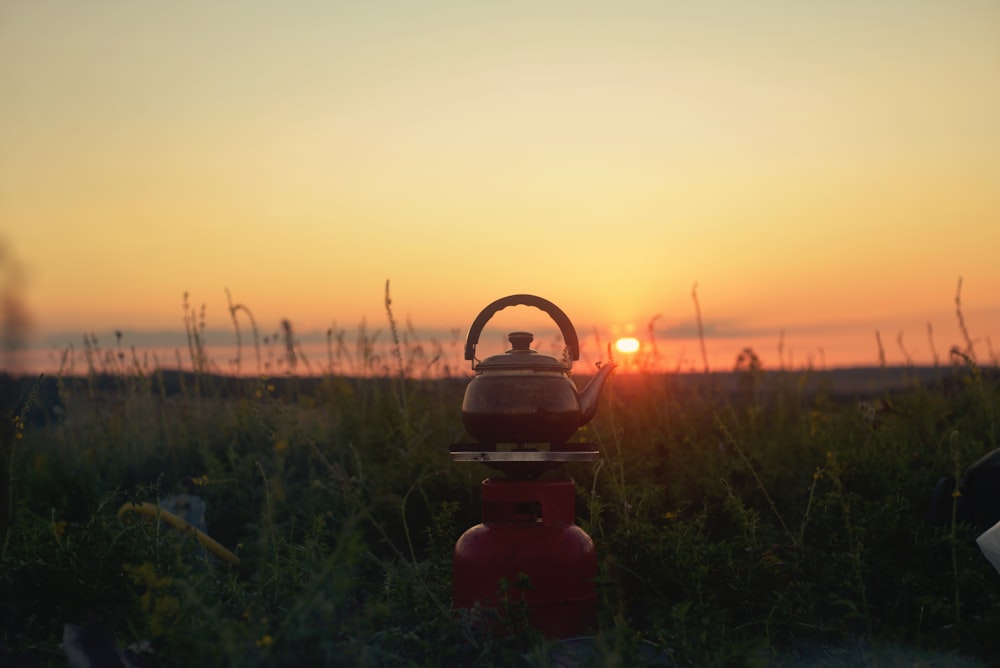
(627, 344)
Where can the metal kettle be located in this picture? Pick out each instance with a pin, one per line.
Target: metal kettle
(522, 396)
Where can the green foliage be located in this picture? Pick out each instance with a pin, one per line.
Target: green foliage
(741, 519)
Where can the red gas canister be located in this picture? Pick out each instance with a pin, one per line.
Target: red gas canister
(528, 533)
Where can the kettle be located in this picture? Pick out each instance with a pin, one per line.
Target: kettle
(522, 396)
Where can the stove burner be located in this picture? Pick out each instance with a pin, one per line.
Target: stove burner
(524, 462)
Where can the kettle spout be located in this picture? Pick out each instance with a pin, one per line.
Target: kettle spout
(589, 396)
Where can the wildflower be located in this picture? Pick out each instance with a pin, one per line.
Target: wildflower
(281, 446)
(202, 481)
(145, 575)
(671, 515)
(266, 641)
(817, 420)
(58, 529)
(166, 610)
(259, 392)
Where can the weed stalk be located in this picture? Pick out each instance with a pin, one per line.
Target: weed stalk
(701, 329)
(20, 420)
(854, 542)
(969, 349)
(397, 353)
(760, 483)
(233, 309)
(956, 495)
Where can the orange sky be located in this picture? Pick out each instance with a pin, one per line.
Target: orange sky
(825, 170)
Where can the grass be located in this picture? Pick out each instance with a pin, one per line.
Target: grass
(750, 518)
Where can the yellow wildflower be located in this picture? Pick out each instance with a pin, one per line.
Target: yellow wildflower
(58, 529)
(166, 610)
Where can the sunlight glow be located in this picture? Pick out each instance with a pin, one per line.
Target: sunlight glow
(627, 345)
(345, 141)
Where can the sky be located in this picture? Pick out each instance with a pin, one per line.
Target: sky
(813, 172)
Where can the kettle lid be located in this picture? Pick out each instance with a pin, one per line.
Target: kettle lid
(522, 357)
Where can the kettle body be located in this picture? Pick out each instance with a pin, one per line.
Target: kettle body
(522, 396)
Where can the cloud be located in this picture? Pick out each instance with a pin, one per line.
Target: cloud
(713, 329)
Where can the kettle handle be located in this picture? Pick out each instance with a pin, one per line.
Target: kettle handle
(556, 313)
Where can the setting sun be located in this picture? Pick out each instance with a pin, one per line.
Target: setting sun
(627, 344)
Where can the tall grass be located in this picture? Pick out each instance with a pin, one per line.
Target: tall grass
(741, 518)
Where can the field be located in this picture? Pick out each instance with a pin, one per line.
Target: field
(749, 518)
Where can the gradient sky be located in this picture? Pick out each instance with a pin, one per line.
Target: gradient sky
(822, 169)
